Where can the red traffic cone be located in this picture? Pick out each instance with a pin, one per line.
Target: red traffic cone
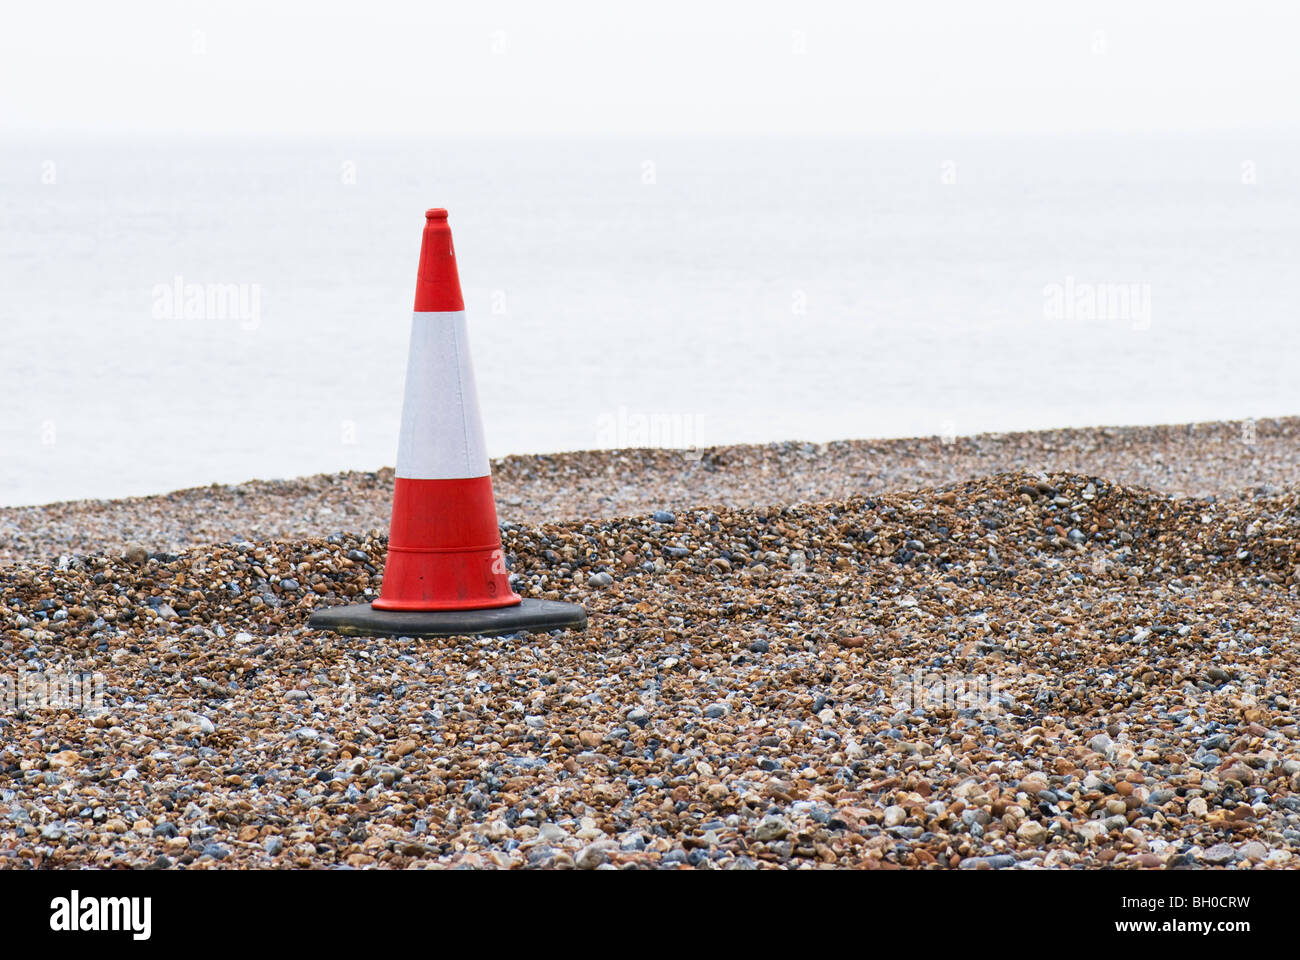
(446, 573)
(444, 548)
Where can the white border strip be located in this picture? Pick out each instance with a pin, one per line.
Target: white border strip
(442, 428)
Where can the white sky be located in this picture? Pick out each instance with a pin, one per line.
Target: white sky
(658, 66)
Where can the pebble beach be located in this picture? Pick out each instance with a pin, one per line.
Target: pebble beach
(1064, 649)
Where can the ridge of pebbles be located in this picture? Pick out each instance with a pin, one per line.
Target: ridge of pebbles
(1199, 459)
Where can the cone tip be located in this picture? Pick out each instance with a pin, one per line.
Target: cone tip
(435, 213)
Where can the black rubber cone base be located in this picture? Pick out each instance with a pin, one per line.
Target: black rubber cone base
(530, 616)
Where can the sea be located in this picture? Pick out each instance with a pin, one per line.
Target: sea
(187, 311)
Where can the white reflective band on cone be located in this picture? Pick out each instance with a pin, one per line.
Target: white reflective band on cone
(442, 430)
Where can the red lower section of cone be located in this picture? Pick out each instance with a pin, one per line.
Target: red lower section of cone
(444, 548)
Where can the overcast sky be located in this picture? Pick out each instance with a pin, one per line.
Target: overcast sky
(651, 67)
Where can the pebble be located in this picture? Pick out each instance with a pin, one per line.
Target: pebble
(1254, 851)
(1100, 743)
(997, 862)
(1241, 773)
(1091, 831)
(1219, 854)
(771, 828)
(590, 857)
(1032, 832)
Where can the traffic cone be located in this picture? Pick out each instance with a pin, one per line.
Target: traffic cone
(446, 573)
